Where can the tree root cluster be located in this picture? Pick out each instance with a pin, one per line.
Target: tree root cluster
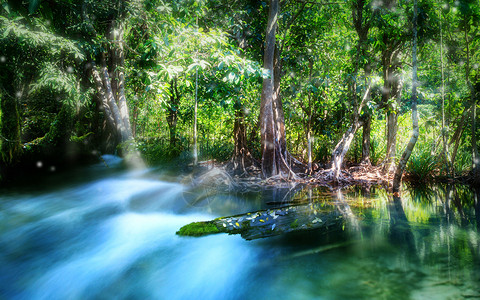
(363, 174)
(218, 174)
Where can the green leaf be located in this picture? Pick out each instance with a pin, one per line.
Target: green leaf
(6, 7)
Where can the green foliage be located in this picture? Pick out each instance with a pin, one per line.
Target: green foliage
(377, 150)
(34, 35)
(463, 162)
(294, 224)
(44, 61)
(422, 163)
(9, 129)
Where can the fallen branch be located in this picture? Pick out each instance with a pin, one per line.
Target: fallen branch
(271, 222)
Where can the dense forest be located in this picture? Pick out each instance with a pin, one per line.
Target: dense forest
(290, 89)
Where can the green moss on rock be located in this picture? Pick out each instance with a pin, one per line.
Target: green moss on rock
(198, 229)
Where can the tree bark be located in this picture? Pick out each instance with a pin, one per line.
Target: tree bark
(278, 114)
(272, 124)
(120, 79)
(343, 145)
(112, 104)
(309, 112)
(367, 128)
(109, 80)
(103, 99)
(455, 139)
(444, 130)
(367, 124)
(195, 113)
(134, 119)
(391, 140)
(477, 206)
(397, 179)
(172, 113)
(10, 144)
(391, 97)
(362, 27)
(475, 155)
(341, 149)
(242, 158)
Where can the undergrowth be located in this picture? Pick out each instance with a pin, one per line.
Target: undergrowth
(422, 163)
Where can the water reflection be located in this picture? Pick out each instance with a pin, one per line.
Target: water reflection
(113, 237)
(400, 230)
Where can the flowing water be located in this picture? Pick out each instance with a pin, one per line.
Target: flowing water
(109, 233)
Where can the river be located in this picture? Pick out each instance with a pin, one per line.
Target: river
(109, 233)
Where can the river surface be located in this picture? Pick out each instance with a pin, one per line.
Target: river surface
(109, 233)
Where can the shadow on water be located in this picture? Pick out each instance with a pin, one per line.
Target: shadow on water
(400, 230)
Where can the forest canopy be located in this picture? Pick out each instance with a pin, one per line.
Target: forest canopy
(291, 88)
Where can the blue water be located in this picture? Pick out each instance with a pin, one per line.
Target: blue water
(109, 233)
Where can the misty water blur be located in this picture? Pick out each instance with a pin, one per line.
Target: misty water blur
(109, 233)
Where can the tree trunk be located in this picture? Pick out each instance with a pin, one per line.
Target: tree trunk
(309, 112)
(278, 114)
(367, 124)
(109, 80)
(135, 120)
(239, 133)
(393, 89)
(195, 111)
(172, 113)
(103, 100)
(242, 158)
(120, 79)
(367, 128)
(391, 95)
(341, 149)
(10, 144)
(272, 222)
(110, 107)
(477, 206)
(343, 145)
(391, 140)
(475, 155)
(309, 148)
(272, 124)
(457, 136)
(415, 131)
(444, 130)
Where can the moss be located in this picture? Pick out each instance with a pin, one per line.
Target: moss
(198, 229)
(294, 224)
(80, 139)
